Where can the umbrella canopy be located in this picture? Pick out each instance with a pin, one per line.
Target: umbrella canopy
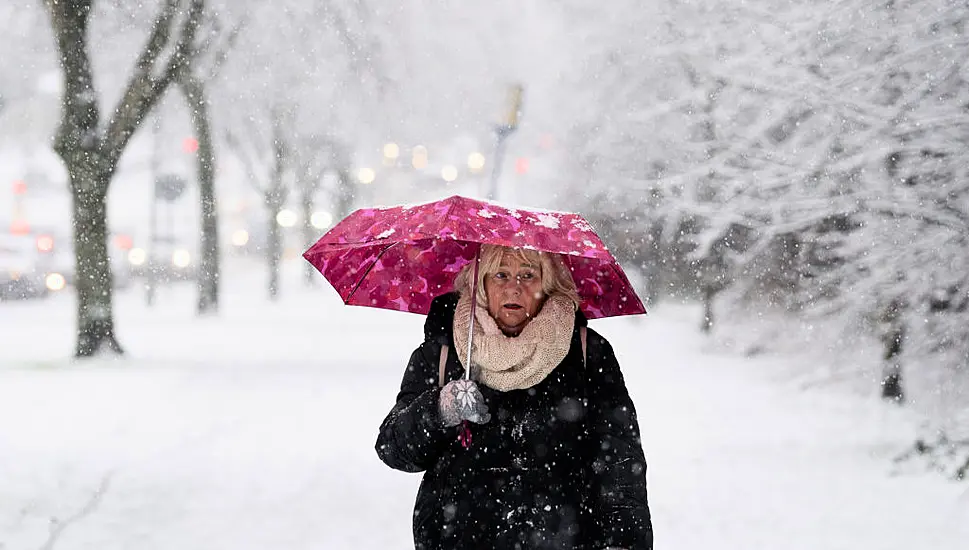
(401, 257)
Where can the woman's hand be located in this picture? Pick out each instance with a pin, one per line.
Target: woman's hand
(462, 400)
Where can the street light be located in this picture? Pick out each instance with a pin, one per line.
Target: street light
(181, 258)
(286, 218)
(449, 173)
(419, 157)
(240, 237)
(508, 125)
(476, 162)
(391, 151)
(366, 176)
(321, 220)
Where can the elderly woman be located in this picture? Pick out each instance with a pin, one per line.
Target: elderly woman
(555, 459)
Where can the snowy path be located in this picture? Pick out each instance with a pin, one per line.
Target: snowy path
(255, 430)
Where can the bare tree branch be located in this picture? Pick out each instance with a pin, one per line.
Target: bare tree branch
(245, 155)
(222, 53)
(144, 89)
(157, 41)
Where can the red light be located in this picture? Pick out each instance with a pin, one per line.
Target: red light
(123, 242)
(20, 227)
(19, 187)
(521, 165)
(45, 243)
(190, 145)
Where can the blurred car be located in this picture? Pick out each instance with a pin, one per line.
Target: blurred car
(56, 258)
(22, 276)
(170, 261)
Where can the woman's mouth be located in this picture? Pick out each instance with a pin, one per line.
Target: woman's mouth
(513, 306)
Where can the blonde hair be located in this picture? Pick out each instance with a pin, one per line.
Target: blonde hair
(556, 277)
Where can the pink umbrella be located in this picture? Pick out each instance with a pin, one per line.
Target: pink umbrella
(402, 257)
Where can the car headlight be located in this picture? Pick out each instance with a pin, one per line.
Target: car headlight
(137, 256)
(55, 281)
(181, 258)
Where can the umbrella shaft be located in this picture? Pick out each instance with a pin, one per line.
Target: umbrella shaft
(474, 304)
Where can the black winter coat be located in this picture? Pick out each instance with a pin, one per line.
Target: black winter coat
(559, 466)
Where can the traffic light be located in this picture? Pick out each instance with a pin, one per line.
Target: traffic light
(190, 145)
(19, 187)
(19, 226)
(45, 243)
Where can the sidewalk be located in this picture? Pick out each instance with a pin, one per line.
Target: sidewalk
(255, 430)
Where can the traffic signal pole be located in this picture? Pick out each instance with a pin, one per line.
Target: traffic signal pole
(151, 277)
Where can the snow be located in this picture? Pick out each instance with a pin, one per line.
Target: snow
(255, 428)
(547, 220)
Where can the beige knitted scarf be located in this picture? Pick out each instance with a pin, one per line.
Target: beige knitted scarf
(507, 363)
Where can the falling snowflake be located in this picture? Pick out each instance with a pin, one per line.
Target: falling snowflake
(386, 233)
(547, 220)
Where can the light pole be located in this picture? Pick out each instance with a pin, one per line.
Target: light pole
(502, 131)
(152, 281)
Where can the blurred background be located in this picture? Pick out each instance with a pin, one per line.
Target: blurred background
(796, 172)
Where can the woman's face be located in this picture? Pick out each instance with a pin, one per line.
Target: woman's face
(514, 293)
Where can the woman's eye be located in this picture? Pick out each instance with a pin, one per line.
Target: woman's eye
(527, 276)
(501, 276)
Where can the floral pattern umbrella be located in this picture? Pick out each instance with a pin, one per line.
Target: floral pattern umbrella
(401, 257)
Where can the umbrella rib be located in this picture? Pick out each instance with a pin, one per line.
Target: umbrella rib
(447, 213)
(369, 268)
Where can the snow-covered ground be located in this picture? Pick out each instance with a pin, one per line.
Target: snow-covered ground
(254, 429)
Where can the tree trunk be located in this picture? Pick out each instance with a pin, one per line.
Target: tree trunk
(274, 242)
(893, 337)
(209, 266)
(709, 293)
(892, 389)
(78, 145)
(309, 232)
(91, 152)
(274, 199)
(93, 280)
(344, 195)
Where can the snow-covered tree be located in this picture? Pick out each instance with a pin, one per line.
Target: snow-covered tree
(813, 156)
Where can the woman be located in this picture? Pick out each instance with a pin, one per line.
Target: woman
(554, 459)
